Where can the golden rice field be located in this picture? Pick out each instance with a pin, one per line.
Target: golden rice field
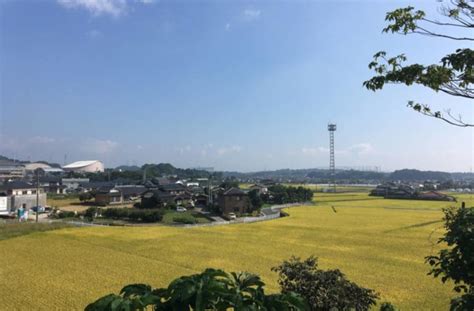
(377, 243)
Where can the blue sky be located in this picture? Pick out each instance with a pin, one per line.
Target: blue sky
(235, 85)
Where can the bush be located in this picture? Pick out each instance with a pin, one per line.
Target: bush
(387, 306)
(115, 213)
(171, 206)
(185, 219)
(152, 216)
(90, 212)
(136, 215)
(85, 196)
(66, 214)
(323, 290)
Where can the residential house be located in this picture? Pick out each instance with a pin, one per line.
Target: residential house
(436, 196)
(201, 200)
(21, 194)
(73, 184)
(108, 195)
(185, 199)
(156, 198)
(52, 184)
(235, 201)
(173, 189)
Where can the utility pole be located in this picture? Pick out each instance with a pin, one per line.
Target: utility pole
(37, 194)
(209, 188)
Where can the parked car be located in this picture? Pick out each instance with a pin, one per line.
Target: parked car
(39, 209)
(181, 209)
(232, 216)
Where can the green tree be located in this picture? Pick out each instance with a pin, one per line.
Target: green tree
(456, 263)
(227, 184)
(209, 290)
(453, 75)
(255, 199)
(323, 290)
(86, 196)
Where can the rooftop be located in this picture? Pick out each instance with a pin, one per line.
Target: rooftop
(79, 164)
(16, 185)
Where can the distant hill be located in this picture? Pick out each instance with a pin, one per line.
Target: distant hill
(3, 158)
(416, 175)
(323, 175)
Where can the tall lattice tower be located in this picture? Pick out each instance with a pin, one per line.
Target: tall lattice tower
(332, 160)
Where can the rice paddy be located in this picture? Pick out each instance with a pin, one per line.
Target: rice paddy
(377, 243)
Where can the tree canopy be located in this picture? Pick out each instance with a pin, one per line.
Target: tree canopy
(457, 262)
(453, 75)
(323, 289)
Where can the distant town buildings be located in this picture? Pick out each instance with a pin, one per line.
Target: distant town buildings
(11, 170)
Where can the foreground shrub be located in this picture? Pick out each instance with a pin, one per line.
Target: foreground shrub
(323, 290)
(209, 290)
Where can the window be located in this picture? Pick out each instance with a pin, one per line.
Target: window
(25, 192)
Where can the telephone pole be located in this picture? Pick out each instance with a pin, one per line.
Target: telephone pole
(37, 194)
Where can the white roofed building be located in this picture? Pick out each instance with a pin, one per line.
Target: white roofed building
(92, 166)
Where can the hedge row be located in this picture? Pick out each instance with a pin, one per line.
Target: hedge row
(136, 215)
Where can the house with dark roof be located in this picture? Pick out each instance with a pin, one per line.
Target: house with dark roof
(52, 184)
(185, 199)
(156, 198)
(201, 200)
(110, 195)
(174, 189)
(161, 181)
(16, 194)
(435, 196)
(235, 201)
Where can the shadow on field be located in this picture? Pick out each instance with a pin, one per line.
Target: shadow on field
(421, 224)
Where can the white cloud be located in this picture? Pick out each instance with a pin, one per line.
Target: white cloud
(97, 7)
(42, 140)
(115, 8)
(98, 146)
(228, 150)
(184, 150)
(252, 14)
(362, 149)
(314, 150)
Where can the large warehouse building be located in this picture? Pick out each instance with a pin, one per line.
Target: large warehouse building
(92, 166)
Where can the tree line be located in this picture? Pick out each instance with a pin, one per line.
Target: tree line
(279, 194)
